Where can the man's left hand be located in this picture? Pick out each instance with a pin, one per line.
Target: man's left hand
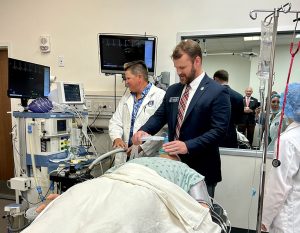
(175, 147)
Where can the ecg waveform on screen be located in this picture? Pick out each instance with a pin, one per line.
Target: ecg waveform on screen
(27, 67)
(123, 43)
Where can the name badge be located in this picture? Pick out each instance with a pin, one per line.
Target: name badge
(151, 103)
(173, 99)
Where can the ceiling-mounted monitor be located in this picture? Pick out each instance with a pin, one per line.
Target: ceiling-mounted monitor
(117, 49)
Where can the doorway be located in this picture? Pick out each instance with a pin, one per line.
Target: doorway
(6, 147)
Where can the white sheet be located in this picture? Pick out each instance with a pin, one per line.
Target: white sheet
(134, 199)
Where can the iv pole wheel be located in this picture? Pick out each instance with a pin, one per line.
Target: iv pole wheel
(276, 163)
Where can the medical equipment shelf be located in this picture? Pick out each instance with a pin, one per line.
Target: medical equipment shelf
(45, 115)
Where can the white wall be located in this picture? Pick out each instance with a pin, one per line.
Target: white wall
(239, 190)
(237, 67)
(73, 26)
(281, 68)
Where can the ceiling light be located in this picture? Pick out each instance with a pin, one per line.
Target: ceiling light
(250, 38)
(242, 54)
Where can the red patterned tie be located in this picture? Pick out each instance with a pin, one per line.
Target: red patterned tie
(247, 101)
(181, 109)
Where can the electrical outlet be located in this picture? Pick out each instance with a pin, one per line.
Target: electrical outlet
(98, 105)
(88, 104)
(61, 61)
(95, 107)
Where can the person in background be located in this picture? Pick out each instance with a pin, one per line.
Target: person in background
(247, 121)
(237, 109)
(274, 120)
(197, 111)
(281, 209)
(272, 93)
(259, 115)
(135, 108)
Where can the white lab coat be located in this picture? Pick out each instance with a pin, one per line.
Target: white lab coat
(119, 124)
(274, 126)
(273, 130)
(281, 209)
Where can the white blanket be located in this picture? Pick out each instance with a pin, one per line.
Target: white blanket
(133, 199)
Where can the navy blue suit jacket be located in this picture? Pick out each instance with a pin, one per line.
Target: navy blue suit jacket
(204, 125)
(237, 111)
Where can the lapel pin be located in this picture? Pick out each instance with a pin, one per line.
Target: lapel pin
(202, 88)
(151, 103)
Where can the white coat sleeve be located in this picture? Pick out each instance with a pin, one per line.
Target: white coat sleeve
(280, 181)
(115, 127)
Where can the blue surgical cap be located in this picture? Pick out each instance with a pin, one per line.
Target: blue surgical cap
(292, 106)
(275, 95)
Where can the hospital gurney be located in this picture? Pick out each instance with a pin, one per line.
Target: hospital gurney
(134, 198)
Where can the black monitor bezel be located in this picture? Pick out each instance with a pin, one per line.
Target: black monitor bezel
(105, 70)
(25, 96)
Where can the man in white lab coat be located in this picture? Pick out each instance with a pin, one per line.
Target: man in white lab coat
(281, 209)
(135, 108)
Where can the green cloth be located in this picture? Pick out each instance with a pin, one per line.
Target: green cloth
(176, 172)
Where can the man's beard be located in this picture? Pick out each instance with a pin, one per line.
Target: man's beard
(191, 76)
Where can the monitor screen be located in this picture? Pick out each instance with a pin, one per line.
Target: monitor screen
(27, 80)
(70, 93)
(117, 49)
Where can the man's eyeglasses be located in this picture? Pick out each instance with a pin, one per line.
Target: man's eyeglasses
(133, 63)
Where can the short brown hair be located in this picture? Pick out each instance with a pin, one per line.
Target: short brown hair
(190, 47)
(137, 67)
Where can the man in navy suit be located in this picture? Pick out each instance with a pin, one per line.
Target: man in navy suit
(237, 110)
(205, 117)
(247, 122)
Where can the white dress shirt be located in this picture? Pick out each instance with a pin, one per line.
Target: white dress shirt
(194, 85)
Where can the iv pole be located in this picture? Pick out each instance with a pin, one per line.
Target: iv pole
(274, 14)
